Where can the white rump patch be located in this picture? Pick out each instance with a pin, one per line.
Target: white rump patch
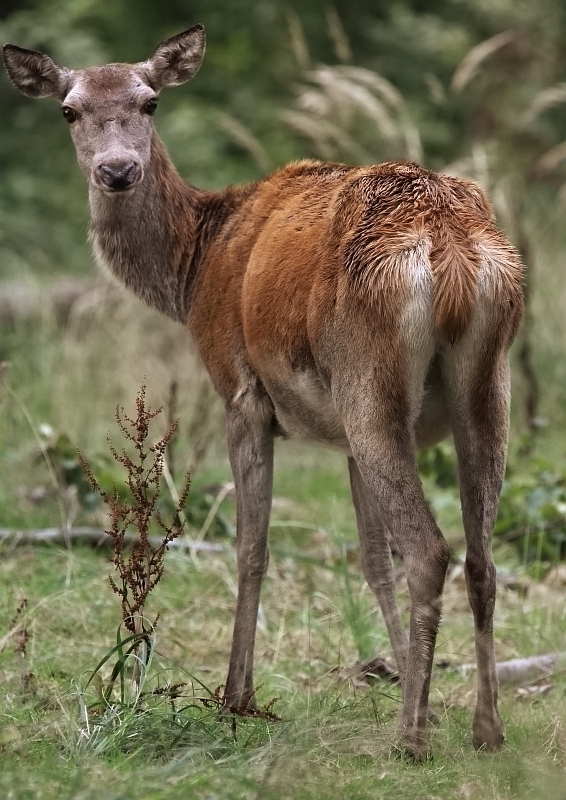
(417, 325)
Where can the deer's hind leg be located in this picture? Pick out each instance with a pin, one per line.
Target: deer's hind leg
(386, 459)
(379, 570)
(377, 565)
(379, 409)
(476, 371)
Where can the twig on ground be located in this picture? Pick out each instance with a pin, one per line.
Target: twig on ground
(96, 537)
(363, 673)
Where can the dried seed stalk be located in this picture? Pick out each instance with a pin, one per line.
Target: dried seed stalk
(140, 570)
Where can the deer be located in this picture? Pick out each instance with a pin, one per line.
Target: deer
(369, 309)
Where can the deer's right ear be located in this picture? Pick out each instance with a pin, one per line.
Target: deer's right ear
(34, 73)
(177, 59)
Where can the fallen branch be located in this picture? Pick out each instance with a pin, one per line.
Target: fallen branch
(522, 671)
(372, 669)
(21, 300)
(96, 537)
(363, 673)
(516, 672)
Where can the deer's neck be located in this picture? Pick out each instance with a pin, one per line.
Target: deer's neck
(151, 238)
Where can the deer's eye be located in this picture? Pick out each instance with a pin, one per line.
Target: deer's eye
(70, 114)
(150, 106)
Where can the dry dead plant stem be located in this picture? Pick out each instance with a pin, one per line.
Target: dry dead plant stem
(20, 626)
(140, 570)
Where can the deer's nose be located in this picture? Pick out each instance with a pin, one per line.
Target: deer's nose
(118, 177)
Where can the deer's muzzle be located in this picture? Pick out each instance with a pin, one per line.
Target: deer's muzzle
(118, 177)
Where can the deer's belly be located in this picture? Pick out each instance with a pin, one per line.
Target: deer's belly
(304, 410)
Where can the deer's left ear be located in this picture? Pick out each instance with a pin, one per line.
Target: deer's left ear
(34, 73)
(177, 59)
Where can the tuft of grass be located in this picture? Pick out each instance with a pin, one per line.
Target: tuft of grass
(332, 741)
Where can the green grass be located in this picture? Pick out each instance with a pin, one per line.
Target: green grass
(333, 741)
(317, 615)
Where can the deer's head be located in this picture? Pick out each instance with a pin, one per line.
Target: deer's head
(109, 108)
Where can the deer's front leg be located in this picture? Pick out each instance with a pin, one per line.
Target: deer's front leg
(250, 448)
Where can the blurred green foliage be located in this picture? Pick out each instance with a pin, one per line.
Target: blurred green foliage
(226, 126)
(532, 506)
(475, 87)
(532, 513)
(438, 463)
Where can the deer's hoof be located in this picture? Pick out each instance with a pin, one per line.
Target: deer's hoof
(487, 734)
(491, 743)
(413, 749)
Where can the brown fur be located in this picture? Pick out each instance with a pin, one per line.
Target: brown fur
(366, 308)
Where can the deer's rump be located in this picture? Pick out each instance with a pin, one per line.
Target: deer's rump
(379, 260)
